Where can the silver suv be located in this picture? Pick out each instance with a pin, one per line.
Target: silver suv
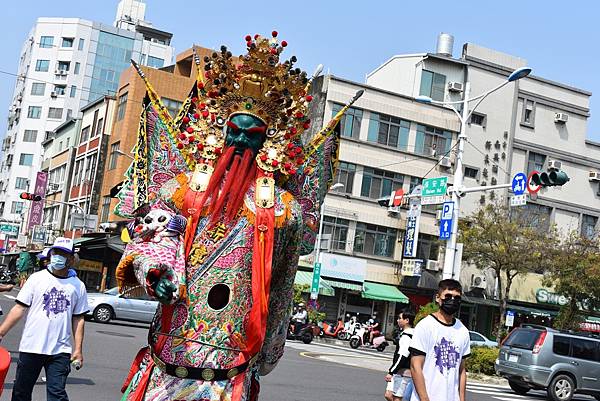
(561, 362)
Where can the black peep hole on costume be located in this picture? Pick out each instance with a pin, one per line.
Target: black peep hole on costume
(218, 296)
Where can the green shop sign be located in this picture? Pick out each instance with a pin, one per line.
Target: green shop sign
(544, 296)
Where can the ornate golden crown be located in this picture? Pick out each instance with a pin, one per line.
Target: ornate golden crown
(259, 85)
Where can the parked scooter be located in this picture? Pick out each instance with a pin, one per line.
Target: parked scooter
(306, 333)
(337, 331)
(361, 337)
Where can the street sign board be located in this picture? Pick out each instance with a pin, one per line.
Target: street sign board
(519, 183)
(39, 235)
(314, 289)
(434, 186)
(22, 241)
(518, 200)
(411, 267)
(532, 187)
(411, 237)
(446, 220)
(9, 229)
(37, 207)
(397, 197)
(510, 318)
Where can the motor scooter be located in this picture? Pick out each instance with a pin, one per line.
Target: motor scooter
(337, 331)
(361, 336)
(306, 333)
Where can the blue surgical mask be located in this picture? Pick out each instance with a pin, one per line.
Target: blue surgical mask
(57, 262)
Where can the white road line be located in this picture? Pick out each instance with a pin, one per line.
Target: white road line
(513, 399)
(10, 296)
(494, 393)
(486, 386)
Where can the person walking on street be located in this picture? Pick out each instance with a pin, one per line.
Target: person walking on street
(438, 349)
(398, 377)
(55, 304)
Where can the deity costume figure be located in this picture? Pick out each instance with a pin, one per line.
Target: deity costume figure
(222, 198)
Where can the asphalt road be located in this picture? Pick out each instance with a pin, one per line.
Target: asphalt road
(305, 373)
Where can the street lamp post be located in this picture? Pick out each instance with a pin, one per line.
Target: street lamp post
(450, 263)
(319, 238)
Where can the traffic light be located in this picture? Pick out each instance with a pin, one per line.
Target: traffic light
(30, 197)
(554, 178)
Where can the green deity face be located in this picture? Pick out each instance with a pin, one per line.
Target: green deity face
(245, 131)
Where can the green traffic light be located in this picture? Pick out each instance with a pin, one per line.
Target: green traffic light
(558, 178)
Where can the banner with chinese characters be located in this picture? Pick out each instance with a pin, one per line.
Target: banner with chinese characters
(412, 230)
(412, 267)
(36, 213)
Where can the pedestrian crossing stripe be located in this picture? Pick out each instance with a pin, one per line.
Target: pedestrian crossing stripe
(10, 296)
(489, 392)
(486, 385)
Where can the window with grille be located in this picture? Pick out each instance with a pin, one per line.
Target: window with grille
(375, 240)
(389, 131)
(30, 135)
(38, 89)
(55, 112)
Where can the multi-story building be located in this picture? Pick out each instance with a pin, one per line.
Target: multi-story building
(66, 63)
(389, 141)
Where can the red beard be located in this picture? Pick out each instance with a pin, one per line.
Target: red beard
(228, 184)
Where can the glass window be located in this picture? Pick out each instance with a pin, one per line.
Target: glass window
(42, 65)
(389, 131)
(46, 42)
(535, 161)
(114, 154)
(81, 44)
(375, 240)
(67, 42)
(432, 141)
(55, 112)
(85, 134)
(113, 56)
(428, 247)
(478, 119)
(338, 229)
(414, 182)
(155, 62)
(38, 89)
(533, 215)
(76, 68)
(121, 107)
(60, 90)
(475, 337)
(64, 65)
(350, 123)
(345, 175)
(379, 183)
(34, 112)
(433, 85)
(172, 106)
(30, 135)
(22, 183)
(471, 172)
(69, 116)
(16, 207)
(73, 91)
(588, 226)
(584, 349)
(561, 345)
(25, 159)
(99, 127)
(523, 338)
(528, 112)
(105, 209)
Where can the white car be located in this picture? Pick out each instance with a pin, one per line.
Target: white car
(111, 305)
(479, 340)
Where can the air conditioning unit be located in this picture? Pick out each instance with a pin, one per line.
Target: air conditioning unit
(455, 86)
(445, 162)
(53, 94)
(478, 281)
(561, 118)
(433, 265)
(554, 165)
(594, 176)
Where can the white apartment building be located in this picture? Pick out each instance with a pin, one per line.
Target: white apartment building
(66, 63)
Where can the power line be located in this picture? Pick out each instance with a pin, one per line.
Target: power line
(440, 160)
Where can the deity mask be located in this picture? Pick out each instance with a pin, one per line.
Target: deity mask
(245, 131)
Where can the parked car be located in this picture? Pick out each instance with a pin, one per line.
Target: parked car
(134, 306)
(561, 362)
(479, 340)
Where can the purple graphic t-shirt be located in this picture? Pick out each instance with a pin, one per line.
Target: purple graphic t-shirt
(52, 301)
(444, 347)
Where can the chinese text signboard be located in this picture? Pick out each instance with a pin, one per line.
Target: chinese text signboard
(37, 208)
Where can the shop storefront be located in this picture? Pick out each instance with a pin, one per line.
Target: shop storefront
(99, 257)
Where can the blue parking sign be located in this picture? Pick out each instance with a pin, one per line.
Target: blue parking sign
(446, 220)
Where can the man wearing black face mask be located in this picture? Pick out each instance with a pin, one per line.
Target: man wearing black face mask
(439, 347)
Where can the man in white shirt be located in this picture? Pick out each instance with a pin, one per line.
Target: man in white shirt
(439, 347)
(55, 303)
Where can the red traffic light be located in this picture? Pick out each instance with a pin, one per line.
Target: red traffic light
(30, 197)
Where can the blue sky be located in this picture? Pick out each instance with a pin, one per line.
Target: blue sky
(560, 40)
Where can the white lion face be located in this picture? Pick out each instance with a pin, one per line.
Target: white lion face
(155, 221)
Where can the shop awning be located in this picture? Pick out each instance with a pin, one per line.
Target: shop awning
(533, 311)
(344, 285)
(383, 292)
(305, 278)
(480, 301)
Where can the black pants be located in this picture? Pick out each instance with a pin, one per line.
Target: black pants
(57, 369)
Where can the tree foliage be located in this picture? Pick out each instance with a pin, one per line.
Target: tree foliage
(426, 310)
(575, 273)
(508, 241)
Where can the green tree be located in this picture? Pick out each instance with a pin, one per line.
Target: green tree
(575, 273)
(508, 241)
(426, 310)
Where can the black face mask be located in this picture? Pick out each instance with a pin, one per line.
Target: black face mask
(450, 306)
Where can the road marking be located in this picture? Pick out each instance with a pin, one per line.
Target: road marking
(10, 296)
(485, 386)
(347, 349)
(494, 392)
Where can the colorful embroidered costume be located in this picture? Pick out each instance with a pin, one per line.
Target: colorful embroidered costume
(223, 198)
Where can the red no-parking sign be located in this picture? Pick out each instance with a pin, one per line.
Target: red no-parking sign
(397, 197)
(532, 187)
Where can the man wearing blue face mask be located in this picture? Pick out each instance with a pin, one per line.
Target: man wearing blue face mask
(55, 303)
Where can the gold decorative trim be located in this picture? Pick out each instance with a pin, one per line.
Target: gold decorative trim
(265, 192)
(182, 372)
(208, 374)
